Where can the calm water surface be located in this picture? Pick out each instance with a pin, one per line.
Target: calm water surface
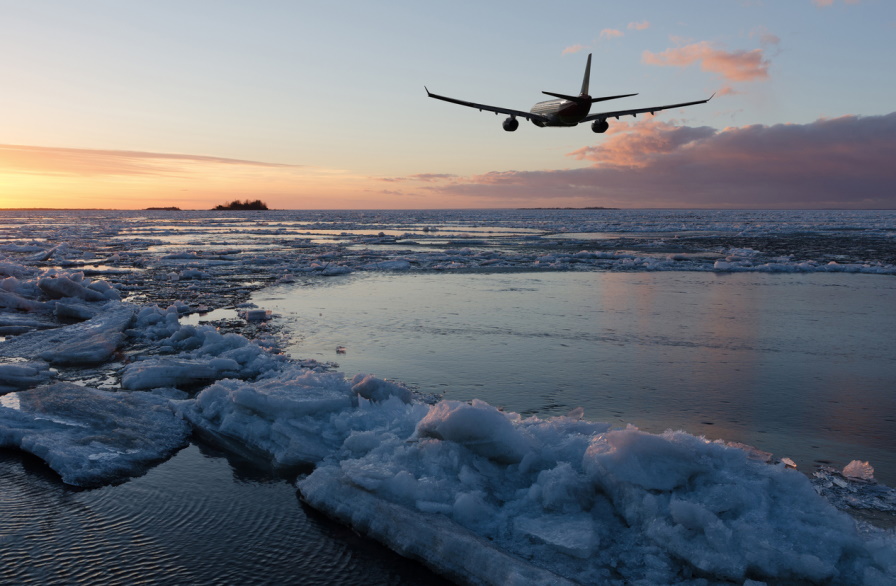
(195, 519)
(803, 366)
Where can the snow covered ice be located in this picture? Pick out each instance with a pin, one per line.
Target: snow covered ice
(90, 437)
(101, 379)
(591, 505)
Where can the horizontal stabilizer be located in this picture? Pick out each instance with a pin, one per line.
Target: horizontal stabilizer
(587, 99)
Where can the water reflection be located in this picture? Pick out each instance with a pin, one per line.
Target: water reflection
(798, 365)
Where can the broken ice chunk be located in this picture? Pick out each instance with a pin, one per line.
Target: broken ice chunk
(859, 469)
(788, 462)
(572, 535)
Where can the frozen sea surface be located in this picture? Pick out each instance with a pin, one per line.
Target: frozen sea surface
(106, 363)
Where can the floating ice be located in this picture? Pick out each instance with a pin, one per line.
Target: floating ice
(444, 546)
(859, 469)
(12, 324)
(590, 505)
(295, 417)
(75, 310)
(88, 436)
(59, 287)
(376, 389)
(13, 300)
(850, 493)
(23, 375)
(90, 342)
(256, 315)
(480, 427)
(178, 373)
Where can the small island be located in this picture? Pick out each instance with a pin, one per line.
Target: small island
(243, 205)
(168, 209)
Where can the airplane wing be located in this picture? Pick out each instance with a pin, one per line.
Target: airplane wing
(636, 111)
(495, 109)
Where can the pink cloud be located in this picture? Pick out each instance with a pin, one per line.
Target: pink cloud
(732, 65)
(632, 144)
(610, 33)
(842, 162)
(830, 2)
(639, 26)
(574, 49)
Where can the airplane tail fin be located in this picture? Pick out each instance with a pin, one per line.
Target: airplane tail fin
(587, 77)
(584, 98)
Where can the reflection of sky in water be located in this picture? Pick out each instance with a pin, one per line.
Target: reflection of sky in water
(239, 234)
(10, 401)
(801, 365)
(630, 233)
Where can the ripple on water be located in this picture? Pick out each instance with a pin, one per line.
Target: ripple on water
(193, 519)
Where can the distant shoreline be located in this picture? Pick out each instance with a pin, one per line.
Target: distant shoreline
(585, 208)
(450, 209)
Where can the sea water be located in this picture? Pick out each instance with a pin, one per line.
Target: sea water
(202, 517)
(800, 365)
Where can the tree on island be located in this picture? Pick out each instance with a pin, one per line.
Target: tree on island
(243, 205)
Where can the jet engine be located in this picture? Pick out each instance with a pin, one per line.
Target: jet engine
(600, 126)
(511, 124)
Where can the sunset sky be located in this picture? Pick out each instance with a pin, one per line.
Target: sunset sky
(313, 105)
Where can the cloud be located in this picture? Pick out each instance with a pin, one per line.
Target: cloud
(610, 33)
(574, 49)
(841, 162)
(432, 176)
(634, 145)
(731, 65)
(89, 162)
(830, 2)
(639, 26)
(727, 90)
(424, 177)
(767, 39)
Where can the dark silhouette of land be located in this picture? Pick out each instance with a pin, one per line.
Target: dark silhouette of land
(243, 205)
(168, 209)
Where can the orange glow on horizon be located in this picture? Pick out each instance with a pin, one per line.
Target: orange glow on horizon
(42, 177)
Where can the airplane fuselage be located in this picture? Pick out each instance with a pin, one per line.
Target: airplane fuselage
(560, 112)
(565, 109)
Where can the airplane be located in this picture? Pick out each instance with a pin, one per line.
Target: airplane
(566, 110)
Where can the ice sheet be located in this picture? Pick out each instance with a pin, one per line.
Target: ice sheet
(23, 375)
(91, 342)
(91, 437)
(295, 417)
(593, 506)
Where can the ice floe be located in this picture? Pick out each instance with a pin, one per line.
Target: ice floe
(592, 505)
(94, 341)
(91, 437)
(23, 375)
